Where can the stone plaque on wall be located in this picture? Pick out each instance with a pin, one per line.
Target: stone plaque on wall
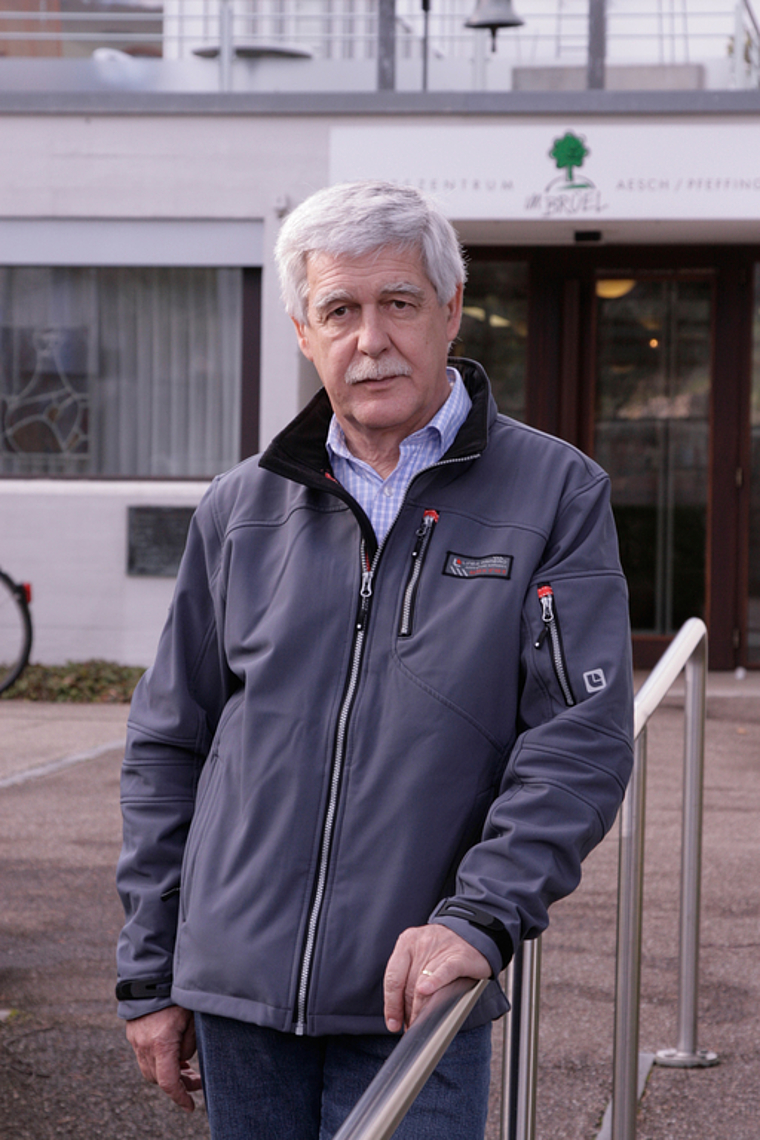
(156, 538)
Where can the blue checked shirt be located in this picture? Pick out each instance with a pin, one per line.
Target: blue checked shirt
(379, 498)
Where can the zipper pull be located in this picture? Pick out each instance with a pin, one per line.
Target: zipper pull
(368, 572)
(429, 519)
(551, 629)
(423, 534)
(365, 593)
(546, 598)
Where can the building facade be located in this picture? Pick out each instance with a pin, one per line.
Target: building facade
(613, 239)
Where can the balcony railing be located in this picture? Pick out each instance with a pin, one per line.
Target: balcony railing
(659, 33)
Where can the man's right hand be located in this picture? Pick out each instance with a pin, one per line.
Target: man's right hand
(163, 1043)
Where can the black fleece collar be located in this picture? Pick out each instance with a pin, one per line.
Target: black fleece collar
(299, 451)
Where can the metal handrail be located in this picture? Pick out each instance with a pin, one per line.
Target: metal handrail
(378, 1113)
(673, 661)
(520, 1049)
(688, 653)
(386, 1101)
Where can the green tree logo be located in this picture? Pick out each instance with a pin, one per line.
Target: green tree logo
(569, 153)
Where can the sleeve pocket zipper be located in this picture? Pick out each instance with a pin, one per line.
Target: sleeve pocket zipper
(551, 630)
(424, 534)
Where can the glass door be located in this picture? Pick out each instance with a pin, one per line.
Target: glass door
(495, 328)
(651, 433)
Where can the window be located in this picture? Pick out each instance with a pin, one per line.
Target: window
(120, 371)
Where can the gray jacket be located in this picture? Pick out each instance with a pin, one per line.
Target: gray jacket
(337, 741)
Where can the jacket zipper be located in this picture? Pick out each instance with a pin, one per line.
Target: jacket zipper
(365, 594)
(551, 629)
(424, 534)
(328, 826)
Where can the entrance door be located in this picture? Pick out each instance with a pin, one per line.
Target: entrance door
(651, 433)
(642, 357)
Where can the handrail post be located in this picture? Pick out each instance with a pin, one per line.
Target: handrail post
(688, 653)
(528, 1070)
(510, 1046)
(686, 1054)
(520, 1057)
(630, 897)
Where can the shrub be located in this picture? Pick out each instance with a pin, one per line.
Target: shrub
(81, 681)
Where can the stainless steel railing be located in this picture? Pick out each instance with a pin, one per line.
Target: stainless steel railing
(519, 1070)
(378, 1113)
(688, 652)
(380, 1110)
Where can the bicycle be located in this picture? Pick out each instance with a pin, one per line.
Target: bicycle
(15, 629)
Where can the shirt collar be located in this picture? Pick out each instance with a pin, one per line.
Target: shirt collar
(445, 423)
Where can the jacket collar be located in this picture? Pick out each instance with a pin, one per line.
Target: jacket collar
(299, 452)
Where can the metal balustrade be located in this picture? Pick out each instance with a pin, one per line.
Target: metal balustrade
(688, 652)
(659, 32)
(379, 1112)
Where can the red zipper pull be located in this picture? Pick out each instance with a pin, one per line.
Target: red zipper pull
(546, 598)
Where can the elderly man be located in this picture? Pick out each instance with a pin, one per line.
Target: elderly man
(390, 712)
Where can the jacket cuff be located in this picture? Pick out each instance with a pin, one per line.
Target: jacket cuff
(486, 933)
(140, 996)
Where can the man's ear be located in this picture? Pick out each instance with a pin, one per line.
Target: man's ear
(454, 316)
(302, 332)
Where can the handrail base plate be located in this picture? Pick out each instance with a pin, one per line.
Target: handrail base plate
(673, 1059)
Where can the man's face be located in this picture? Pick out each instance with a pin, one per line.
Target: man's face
(379, 339)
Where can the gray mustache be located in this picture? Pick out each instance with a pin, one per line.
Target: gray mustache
(375, 370)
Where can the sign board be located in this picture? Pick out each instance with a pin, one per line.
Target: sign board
(590, 170)
(156, 539)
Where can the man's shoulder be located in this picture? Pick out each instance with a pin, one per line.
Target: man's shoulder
(517, 444)
(241, 488)
(250, 494)
(242, 477)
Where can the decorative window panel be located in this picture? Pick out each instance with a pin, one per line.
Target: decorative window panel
(124, 372)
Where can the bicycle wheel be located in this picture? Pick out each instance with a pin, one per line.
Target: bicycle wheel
(15, 631)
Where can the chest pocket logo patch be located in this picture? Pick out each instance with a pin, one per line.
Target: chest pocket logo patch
(489, 566)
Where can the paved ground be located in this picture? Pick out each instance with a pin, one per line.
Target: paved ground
(65, 1070)
(35, 737)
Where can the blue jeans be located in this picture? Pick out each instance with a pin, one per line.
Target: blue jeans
(261, 1084)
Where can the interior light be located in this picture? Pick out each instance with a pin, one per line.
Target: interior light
(611, 288)
(497, 322)
(474, 312)
(654, 342)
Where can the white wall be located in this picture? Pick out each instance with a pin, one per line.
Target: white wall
(69, 540)
(67, 537)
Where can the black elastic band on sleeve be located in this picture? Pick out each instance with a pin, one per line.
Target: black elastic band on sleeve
(480, 919)
(143, 989)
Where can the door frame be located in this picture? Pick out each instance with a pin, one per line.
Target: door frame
(560, 381)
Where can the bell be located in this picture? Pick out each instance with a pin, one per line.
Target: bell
(494, 14)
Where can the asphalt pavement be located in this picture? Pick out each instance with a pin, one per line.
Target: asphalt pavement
(65, 1069)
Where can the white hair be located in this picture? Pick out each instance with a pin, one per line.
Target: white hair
(356, 218)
